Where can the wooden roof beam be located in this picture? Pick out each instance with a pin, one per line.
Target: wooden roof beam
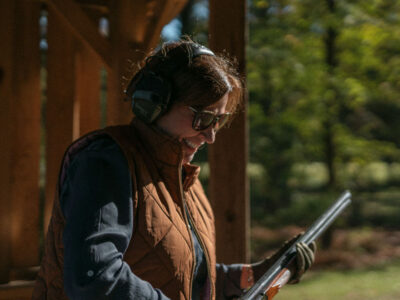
(99, 5)
(94, 2)
(83, 27)
(159, 14)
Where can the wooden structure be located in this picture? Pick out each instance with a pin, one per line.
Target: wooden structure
(228, 156)
(77, 52)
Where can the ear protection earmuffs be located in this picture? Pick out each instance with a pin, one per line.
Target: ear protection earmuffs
(150, 92)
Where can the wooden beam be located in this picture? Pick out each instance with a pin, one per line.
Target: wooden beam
(128, 22)
(93, 14)
(126, 28)
(6, 70)
(229, 190)
(100, 3)
(20, 131)
(26, 136)
(87, 91)
(84, 28)
(20, 290)
(159, 14)
(60, 101)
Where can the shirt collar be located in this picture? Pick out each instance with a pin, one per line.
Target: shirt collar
(166, 151)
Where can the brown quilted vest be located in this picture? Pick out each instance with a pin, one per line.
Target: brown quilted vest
(161, 249)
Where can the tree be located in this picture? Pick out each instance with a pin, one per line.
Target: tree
(323, 85)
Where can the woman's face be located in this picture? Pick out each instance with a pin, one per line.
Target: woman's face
(177, 123)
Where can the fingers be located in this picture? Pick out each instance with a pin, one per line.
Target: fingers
(305, 255)
(300, 261)
(286, 245)
(313, 247)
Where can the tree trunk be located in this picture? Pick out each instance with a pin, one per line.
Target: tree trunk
(329, 135)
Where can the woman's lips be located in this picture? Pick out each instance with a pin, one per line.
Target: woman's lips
(192, 146)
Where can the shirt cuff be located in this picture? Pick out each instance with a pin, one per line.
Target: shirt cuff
(246, 277)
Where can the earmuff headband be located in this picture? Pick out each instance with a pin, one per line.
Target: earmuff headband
(150, 92)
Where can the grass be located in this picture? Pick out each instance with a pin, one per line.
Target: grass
(379, 283)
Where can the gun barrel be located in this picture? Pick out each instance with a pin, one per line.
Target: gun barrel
(257, 291)
(326, 219)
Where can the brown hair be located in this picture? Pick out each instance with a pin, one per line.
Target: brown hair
(197, 81)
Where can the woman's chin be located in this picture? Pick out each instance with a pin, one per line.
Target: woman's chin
(187, 158)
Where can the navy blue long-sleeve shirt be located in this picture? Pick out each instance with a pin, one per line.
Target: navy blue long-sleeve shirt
(96, 200)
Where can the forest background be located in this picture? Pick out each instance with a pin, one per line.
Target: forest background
(323, 79)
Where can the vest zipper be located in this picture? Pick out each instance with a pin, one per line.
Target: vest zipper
(204, 250)
(188, 227)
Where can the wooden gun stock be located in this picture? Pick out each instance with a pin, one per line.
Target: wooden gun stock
(279, 274)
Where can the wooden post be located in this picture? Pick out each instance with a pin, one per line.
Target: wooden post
(87, 78)
(82, 25)
(6, 51)
(20, 130)
(126, 23)
(60, 101)
(228, 187)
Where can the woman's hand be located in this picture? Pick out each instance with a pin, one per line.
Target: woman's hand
(305, 256)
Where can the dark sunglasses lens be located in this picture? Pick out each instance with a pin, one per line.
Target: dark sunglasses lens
(223, 119)
(202, 120)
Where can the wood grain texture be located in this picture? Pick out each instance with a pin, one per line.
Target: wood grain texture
(82, 25)
(87, 90)
(6, 71)
(228, 186)
(60, 102)
(23, 131)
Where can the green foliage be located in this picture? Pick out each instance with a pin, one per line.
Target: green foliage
(324, 91)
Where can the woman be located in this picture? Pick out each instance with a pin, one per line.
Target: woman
(130, 218)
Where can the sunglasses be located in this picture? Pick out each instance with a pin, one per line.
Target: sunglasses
(204, 119)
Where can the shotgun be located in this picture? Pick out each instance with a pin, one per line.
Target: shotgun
(279, 274)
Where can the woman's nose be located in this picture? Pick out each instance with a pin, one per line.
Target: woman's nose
(209, 134)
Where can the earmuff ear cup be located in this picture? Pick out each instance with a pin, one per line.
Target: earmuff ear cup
(150, 97)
